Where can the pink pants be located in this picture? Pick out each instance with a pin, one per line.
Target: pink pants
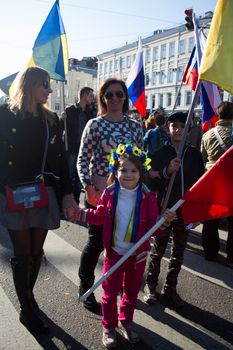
(129, 276)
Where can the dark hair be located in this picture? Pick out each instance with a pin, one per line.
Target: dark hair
(102, 107)
(132, 158)
(85, 90)
(225, 110)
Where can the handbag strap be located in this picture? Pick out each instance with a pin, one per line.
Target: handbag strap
(131, 129)
(46, 149)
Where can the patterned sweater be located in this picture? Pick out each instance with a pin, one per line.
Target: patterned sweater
(99, 137)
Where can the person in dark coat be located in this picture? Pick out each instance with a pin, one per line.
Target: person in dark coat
(188, 170)
(76, 117)
(31, 150)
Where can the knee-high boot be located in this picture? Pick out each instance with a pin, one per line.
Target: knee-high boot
(28, 317)
(34, 271)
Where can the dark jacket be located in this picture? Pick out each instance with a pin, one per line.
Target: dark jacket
(190, 171)
(22, 145)
(76, 121)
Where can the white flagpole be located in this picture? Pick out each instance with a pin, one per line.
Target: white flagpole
(129, 252)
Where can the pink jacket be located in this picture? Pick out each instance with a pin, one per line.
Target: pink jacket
(103, 215)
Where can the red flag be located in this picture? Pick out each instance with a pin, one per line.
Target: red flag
(211, 197)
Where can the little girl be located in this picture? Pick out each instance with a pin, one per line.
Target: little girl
(127, 210)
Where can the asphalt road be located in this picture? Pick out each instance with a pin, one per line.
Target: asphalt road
(205, 322)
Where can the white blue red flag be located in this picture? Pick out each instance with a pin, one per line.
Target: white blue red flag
(190, 76)
(136, 82)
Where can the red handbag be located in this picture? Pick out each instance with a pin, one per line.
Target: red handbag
(26, 196)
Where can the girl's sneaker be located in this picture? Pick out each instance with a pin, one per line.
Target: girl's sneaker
(109, 339)
(128, 332)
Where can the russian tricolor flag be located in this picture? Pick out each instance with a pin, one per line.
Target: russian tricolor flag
(190, 76)
(209, 93)
(136, 82)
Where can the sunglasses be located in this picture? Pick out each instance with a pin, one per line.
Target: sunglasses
(46, 85)
(109, 95)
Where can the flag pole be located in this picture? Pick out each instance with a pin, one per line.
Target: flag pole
(63, 105)
(181, 146)
(177, 95)
(130, 252)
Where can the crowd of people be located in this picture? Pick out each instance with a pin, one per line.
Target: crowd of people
(124, 168)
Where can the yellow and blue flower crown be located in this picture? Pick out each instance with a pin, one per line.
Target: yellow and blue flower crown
(128, 149)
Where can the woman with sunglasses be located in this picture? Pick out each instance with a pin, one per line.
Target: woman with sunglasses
(31, 153)
(101, 134)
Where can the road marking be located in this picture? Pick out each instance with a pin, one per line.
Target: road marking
(9, 325)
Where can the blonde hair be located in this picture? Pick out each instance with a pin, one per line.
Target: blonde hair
(22, 92)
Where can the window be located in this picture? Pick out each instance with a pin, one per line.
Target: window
(161, 77)
(181, 47)
(169, 99)
(161, 100)
(57, 107)
(116, 65)
(180, 73)
(110, 66)
(152, 101)
(147, 79)
(77, 84)
(128, 61)
(153, 80)
(191, 44)
(100, 68)
(188, 98)
(105, 67)
(163, 51)
(178, 101)
(170, 75)
(155, 54)
(172, 49)
(147, 56)
(123, 63)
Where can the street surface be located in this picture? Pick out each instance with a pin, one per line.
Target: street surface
(206, 321)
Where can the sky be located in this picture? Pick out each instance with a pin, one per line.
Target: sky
(92, 27)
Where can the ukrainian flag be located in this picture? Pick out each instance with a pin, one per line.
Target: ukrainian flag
(50, 50)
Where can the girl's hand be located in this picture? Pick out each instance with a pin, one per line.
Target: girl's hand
(92, 195)
(70, 208)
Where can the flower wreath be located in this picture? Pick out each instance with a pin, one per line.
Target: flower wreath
(128, 149)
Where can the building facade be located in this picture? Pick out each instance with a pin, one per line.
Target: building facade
(166, 54)
(81, 73)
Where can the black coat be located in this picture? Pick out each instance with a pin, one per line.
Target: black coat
(192, 169)
(22, 145)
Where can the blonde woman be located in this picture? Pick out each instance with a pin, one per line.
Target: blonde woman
(31, 153)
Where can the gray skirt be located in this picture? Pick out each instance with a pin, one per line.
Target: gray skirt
(47, 218)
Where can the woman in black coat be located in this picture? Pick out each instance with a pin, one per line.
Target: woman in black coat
(31, 149)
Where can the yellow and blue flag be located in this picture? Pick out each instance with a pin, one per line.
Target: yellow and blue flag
(50, 50)
(217, 61)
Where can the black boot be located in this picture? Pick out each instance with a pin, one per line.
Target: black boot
(21, 270)
(34, 271)
(90, 303)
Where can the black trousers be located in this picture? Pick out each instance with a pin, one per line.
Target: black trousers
(179, 240)
(210, 238)
(90, 255)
